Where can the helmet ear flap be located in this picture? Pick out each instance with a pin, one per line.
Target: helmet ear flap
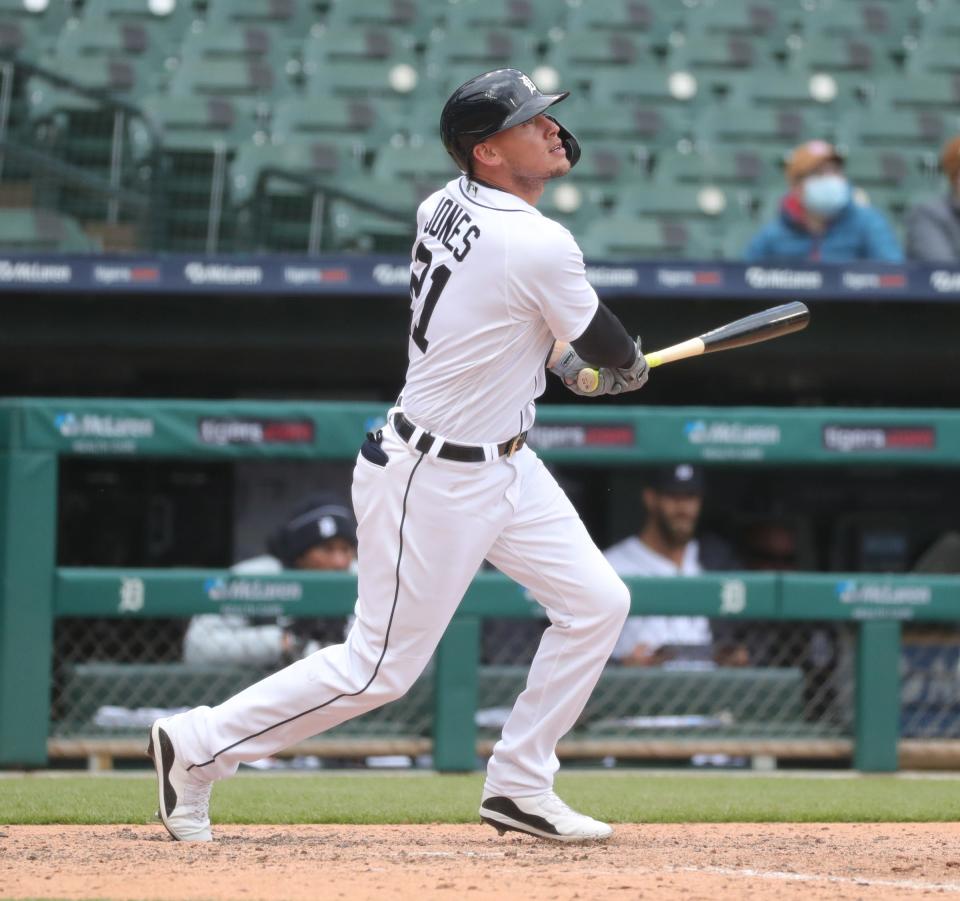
(571, 145)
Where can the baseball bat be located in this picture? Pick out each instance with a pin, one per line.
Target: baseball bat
(752, 329)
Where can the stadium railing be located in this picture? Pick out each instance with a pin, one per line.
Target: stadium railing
(455, 709)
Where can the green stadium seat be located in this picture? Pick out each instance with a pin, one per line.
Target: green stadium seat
(423, 162)
(370, 125)
(706, 203)
(711, 53)
(656, 126)
(651, 86)
(225, 77)
(23, 38)
(823, 95)
(327, 47)
(771, 21)
(414, 17)
(842, 53)
(891, 201)
(111, 39)
(48, 21)
(936, 53)
(656, 20)
(357, 230)
(727, 167)
(292, 18)
(884, 23)
(941, 20)
(608, 165)
(570, 205)
(590, 52)
(192, 124)
(535, 17)
(391, 85)
(629, 237)
(920, 92)
(736, 236)
(483, 49)
(747, 125)
(243, 43)
(42, 230)
(890, 167)
(921, 129)
(169, 26)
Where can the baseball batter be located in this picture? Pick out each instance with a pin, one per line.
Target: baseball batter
(496, 289)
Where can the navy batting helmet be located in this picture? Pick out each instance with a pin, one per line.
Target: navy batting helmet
(491, 103)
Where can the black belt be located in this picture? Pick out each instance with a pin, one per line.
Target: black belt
(462, 453)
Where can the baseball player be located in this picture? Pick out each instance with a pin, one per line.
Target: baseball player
(496, 289)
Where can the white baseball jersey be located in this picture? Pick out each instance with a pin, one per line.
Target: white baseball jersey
(493, 283)
(631, 557)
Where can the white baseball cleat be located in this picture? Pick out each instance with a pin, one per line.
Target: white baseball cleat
(543, 815)
(184, 799)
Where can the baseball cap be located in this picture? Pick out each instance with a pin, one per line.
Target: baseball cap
(950, 158)
(319, 519)
(805, 158)
(681, 478)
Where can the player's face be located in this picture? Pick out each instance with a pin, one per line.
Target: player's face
(532, 150)
(337, 553)
(676, 515)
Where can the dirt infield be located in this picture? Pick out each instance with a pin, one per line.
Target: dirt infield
(749, 861)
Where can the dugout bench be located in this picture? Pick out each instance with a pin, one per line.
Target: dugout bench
(33, 591)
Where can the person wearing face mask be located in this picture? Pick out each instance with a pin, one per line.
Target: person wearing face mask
(819, 220)
(933, 226)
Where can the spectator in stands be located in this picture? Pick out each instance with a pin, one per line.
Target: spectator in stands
(819, 220)
(667, 545)
(933, 226)
(321, 535)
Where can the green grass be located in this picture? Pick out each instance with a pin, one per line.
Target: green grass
(388, 798)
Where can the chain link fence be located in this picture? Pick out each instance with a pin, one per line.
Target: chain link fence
(113, 677)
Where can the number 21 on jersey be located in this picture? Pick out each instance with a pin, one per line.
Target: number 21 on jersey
(438, 281)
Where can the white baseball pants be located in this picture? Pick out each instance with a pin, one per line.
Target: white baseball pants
(425, 526)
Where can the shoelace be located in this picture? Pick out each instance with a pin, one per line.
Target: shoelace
(196, 799)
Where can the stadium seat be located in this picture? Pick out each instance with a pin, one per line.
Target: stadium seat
(940, 20)
(22, 38)
(735, 238)
(728, 167)
(481, 48)
(893, 168)
(414, 17)
(710, 53)
(192, 124)
(842, 53)
(654, 126)
(111, 39)
(168, 24)
(884, 23)
(47, 20)
(765, 20)
(368, 123)
(42, 230)
(920, 129)
(291, 18)
(424, 162)
(238, 43)
(628, 237)
(746, 125)
(822, 95)
(328, 47)
(936, 53)
(535, 17)
(655, 20)
(357, 230)
(608, 165)
(653, 86)
(920, 92)
(707, 203)
(582, 55)
(571, 206)
(227, 77)
(391, 85)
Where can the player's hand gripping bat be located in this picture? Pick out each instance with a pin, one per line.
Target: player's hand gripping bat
(752, 329)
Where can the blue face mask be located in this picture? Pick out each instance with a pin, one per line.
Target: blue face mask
(826, 195)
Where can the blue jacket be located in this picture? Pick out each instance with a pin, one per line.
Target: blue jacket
(858, 233)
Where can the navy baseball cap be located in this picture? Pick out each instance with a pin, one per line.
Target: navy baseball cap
(679, 478)
(318, 520)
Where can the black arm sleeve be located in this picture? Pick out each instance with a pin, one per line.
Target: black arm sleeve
(605, 341)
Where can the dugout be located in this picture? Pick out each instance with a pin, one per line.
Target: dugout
(452, 713)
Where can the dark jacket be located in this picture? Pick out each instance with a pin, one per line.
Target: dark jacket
(933, 231)
(858, 233)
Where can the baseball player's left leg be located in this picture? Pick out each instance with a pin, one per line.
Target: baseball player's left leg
(547, 549)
